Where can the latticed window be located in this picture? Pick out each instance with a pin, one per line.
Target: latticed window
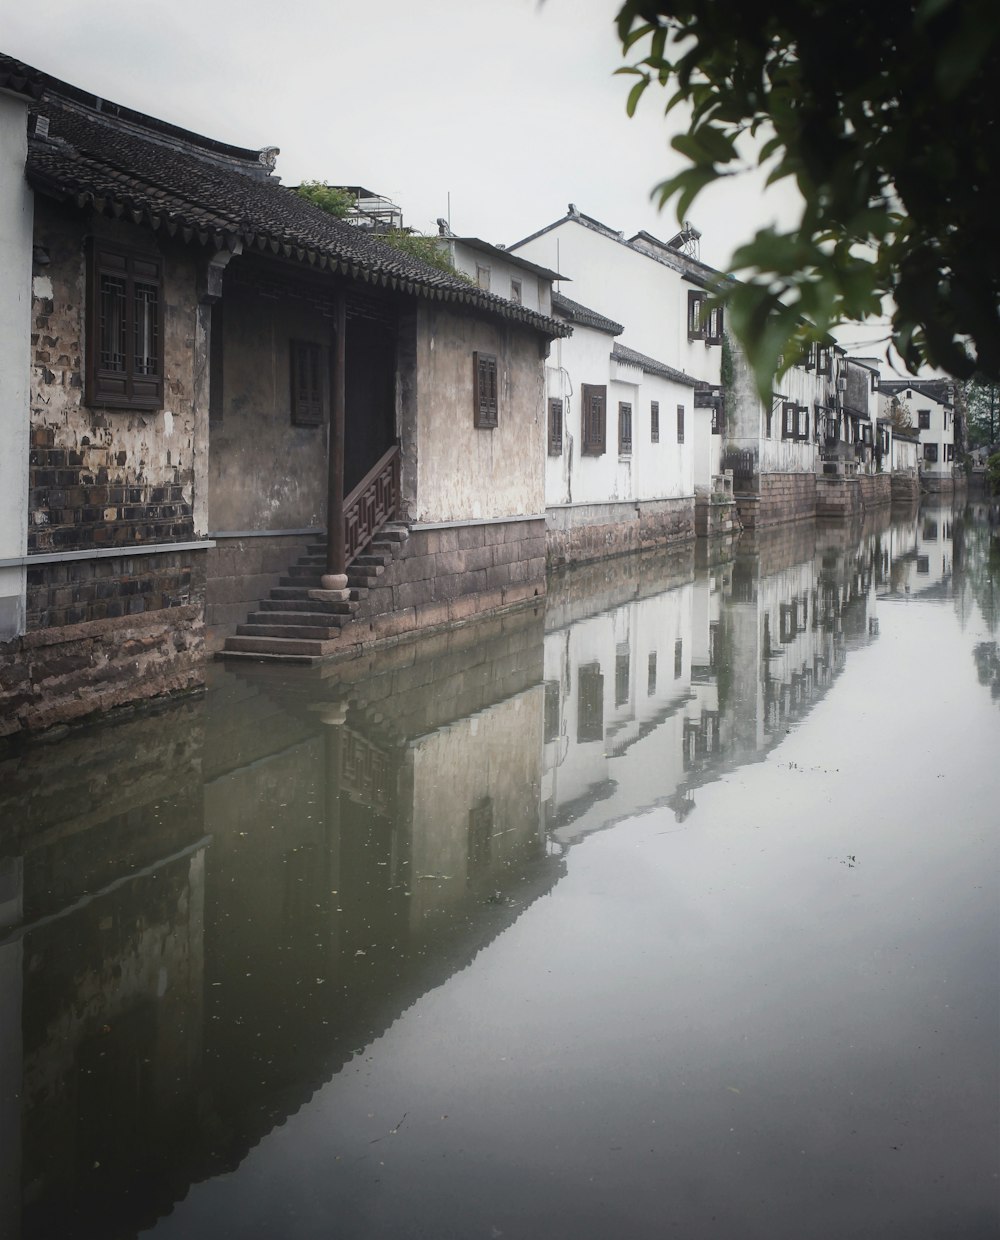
(654, 421)
(680, 423)
(555, 427)
(124, 329)
(624, 428)
(594, 400)
(485, 403)
(305, 368)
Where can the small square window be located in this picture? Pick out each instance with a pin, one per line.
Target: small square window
(483, 278)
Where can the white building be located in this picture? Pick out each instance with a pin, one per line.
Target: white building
(630, 420)
(932, 414)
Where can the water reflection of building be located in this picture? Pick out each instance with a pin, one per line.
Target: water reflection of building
(207, 919)
(649, 694)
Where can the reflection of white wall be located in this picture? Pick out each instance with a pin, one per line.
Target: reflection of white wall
(15, 355)
(642, 651)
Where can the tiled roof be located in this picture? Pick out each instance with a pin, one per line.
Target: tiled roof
(651, 366)
(576, 313)
(19, 78)
(163, 180)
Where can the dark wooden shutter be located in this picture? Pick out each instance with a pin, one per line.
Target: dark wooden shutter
(624, 428)
(555, 427)
(695, 308)
(124, 329)
(714, 329)
(593, 415)
(485, 391)
(789, 417)
(305, 370)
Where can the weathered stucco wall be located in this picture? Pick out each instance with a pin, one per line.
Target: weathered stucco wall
(102, 477)
(464, 473)
(15, 319)
(265, 473)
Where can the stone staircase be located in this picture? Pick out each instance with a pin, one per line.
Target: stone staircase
(291, 627)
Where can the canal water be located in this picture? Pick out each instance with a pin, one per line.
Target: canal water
(666, 909)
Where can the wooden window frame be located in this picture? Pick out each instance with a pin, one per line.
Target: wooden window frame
(654, 421)
(680, 423)
(789, 419)
(305, 382)
(516, 294)
(714, 325)
(624, 428)
(696, 314)
(485, 392)
(593, 419)
(802, 422)
(931, 453)
(923, 419)
(716, 418)
(126, 385)
(555, 426)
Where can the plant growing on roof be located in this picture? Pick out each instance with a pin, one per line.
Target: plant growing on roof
(329, 198)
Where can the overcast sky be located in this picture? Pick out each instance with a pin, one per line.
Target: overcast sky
(509, 106)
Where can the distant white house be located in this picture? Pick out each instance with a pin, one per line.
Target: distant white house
(932, 414)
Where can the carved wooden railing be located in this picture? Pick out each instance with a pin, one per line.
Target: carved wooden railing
(373, 502)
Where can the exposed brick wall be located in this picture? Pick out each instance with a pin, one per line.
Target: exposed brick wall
(108, 587)
(83, 497)
(905, 488)
(876, 489)
(60, 675)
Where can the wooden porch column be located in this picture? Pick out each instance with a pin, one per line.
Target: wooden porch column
(335, 577)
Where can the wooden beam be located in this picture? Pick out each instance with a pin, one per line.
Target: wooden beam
(336, 555)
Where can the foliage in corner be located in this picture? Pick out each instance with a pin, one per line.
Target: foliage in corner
(900, 414)
(426, 249)
(329, 198)
(982, 411)
(886, 117)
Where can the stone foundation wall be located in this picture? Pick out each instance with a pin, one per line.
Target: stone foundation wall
(876, 489)
(838, 497)
(713, 520)
(592, 531)
(785, 497)
(444, 576)
(905, 488)
(64, 674)
(239, 573)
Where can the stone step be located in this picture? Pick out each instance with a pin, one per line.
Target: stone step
(305, 570)
(358, 594)
(298, 591)
(306, 604)
(277, 645)
(320, 633)
(250, 656)
(371, 561)
(360, 581)
(294, 579)
(311, 619)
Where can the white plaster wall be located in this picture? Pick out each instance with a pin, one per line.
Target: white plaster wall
(663, 470)
(16, 212)
(464, 473)
(641, 768)
(631, 288)
(941, 431)
(535, 293)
